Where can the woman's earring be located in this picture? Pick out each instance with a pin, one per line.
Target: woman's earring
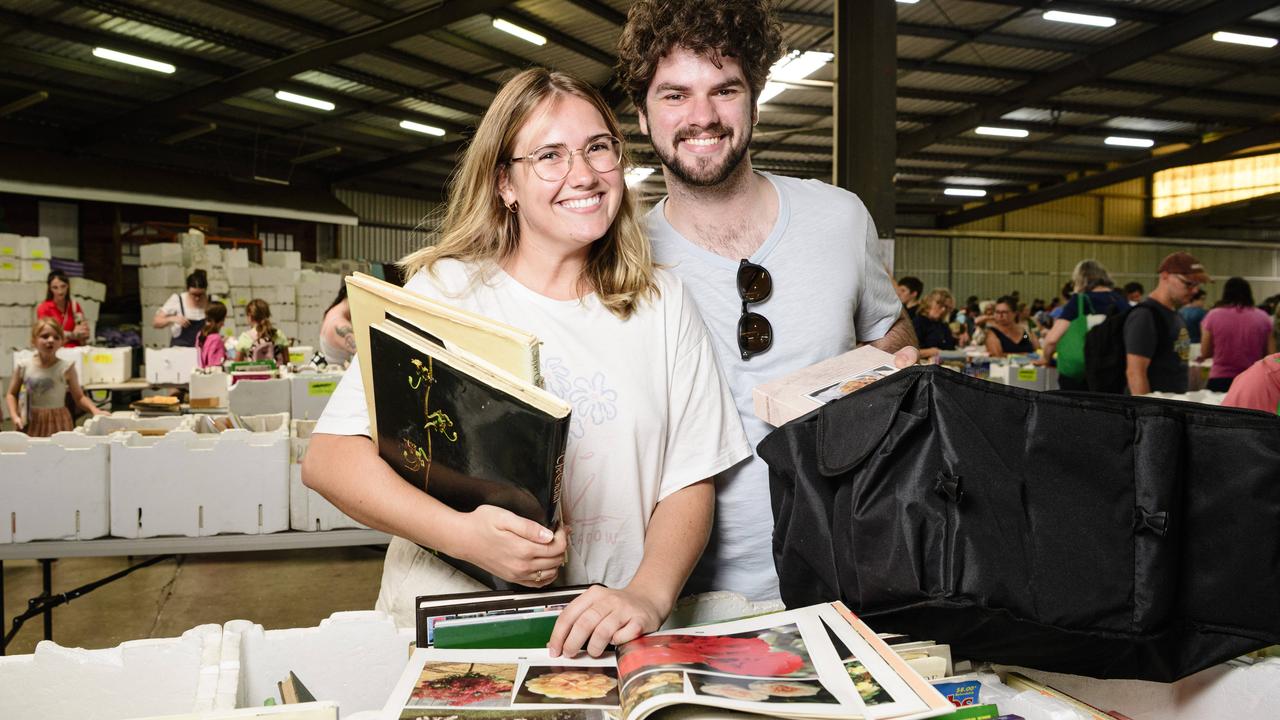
(514, 207)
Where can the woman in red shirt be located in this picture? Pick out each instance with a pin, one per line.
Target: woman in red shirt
(66, 311)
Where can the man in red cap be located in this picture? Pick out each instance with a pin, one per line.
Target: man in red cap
(1156, 341)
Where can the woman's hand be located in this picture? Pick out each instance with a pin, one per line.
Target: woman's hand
(180, 320)
(600, 617)
(514, 548)
(18, 424)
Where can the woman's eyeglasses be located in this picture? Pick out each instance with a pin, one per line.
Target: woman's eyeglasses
(552, 163)
(755, 334)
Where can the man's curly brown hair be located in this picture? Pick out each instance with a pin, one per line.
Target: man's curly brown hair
(742, 29)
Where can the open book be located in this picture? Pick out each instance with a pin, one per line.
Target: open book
(803, 391)
(815, 662)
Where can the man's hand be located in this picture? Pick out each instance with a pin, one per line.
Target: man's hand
(601, 616)
(906, 357)
(515, 549)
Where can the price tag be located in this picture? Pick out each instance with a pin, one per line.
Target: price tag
(317, 389)
(1028, 374)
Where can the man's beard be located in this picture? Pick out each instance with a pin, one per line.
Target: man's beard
(703, 175)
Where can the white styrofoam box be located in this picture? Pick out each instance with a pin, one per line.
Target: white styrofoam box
(273, 276)
(6, 370)
(167, 276)
(219, 287)
(17, 316)
(309, 511)
(1030, 377)
(260, 397)
(199, 484)
(136, 678)
(75, 355)
(286, 311)
(107, 365)
(308, 332)
(127, 421)
(52, 488)
(274, 294)
(238, 276)
(153, 254)
(153, 298)
(235, 258)
(277, 423)
(301, 354)
(192, 243)
(83, 288)
(24, 293)
(352, 658)
(240, 296)
(9, 245)
(15, 338)
(10, 269)
(33, 270)
(293, 711)
(155, 337)
(170, 365)
(210, 385)
(288, 328)
(34, 248)
(92, 308)
(290, 259)
(311, 392)
(210, 258)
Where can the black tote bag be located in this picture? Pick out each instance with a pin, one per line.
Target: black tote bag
(1091, 534)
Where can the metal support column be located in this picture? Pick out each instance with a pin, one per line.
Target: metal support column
(865, 105)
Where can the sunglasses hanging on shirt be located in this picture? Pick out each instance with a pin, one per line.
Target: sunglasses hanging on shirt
(755, 334)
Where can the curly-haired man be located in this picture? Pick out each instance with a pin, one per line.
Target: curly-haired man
(785, 272)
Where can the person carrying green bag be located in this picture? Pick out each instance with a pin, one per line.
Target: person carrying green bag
(1095, 299)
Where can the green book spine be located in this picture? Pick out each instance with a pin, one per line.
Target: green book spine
(973, 712)
(516, 632)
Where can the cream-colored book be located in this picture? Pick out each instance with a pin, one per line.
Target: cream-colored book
(803, 391)
(460, 331)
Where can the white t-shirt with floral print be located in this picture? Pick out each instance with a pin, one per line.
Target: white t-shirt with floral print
(651, 412)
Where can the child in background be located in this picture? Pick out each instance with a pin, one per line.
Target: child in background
(48, 378)
(209, 343)
(262, 341)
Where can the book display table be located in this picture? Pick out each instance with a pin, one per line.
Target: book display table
(160, 549)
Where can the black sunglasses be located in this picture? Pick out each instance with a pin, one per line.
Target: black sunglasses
(755, 334)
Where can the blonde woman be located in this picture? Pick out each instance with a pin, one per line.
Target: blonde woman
(1095, 294)
(931, 322)
(540, 232)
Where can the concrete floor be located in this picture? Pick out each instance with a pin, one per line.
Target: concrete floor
(294, 588)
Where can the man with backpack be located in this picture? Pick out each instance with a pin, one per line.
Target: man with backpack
(1157, 345)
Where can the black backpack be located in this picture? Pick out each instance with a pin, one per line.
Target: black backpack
(1105, 358)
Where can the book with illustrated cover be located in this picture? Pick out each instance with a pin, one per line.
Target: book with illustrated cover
(803, 391)
(498, 344)
(478, 616)
(814, 662)
(465, 432)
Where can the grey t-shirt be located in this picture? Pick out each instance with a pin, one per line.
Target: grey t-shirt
(1169, 355)
(830, 290)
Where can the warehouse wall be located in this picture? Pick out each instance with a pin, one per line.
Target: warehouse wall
(390, 226)
(1118, 209)
(989, 264)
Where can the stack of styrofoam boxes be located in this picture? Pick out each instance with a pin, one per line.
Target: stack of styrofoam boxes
(138, 678)
(275, 282)
(194, 484)
(310, 393)
(315, 291)
(107, 365)
(54, 488)
(160, 276)
(73, 355)
(308, 509)
(33, 259)
(90, 294)
(10, 267)
(236, 267)
(18, 301)
(171, 365)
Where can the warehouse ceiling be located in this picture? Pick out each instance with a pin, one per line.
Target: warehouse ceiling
(1155, 74)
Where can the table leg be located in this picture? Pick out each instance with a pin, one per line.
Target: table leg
(47, 585)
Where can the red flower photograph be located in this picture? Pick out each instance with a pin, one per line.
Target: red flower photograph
(777, 652)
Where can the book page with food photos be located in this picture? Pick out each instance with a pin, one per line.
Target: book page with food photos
(816, 662)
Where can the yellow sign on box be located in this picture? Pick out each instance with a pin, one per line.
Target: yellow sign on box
(37, 254)
(6, 250)
(102, 358)
(321, 388)
(1028, 374)
(297, 358)
(7, 265)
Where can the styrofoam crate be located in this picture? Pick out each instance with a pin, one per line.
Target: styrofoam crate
(352, 658)
(260, 397)
(311, 392)
(153, 254)
(288, 328)
(309, 511)
(16, 338)
(92, 308)
(34, 248)
(23, 293)
(9, 245)
(17, 316)
(75, 355)
(52, 488)
(166, 276)
(83, 288)
(301, 354)
(238, 276)
(170, 365)
(274, 294)
(127, 421)
(221, 288)
(33, 270)
(284, 311)
(107, 365)
(235, 257)
(154, 298)
(288, 259)
(155, 337)
(209, 389)
(200, 484)
(134, 679)
(10, 269)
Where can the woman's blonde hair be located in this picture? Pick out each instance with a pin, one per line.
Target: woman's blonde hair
(47, 322)
(937, 296)
(1089, 274)
(477, 226)
(259, 312)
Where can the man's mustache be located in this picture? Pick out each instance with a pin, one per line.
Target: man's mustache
(694, 131)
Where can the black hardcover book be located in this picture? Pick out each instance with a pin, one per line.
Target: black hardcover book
(465, 432)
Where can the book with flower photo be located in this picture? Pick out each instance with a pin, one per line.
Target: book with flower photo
(803, 391)
(815, 662)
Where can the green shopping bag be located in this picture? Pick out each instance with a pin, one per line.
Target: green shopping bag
(1071, 346)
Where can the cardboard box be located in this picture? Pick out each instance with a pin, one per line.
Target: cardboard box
(166, 276)
(154, 254)
(289, 259)
(107, 365)
(196, 484)
(170, 365)
(54, 488)
(210, 389)
(10, 245)
(260, 397)
(34, 248)
(10, 269)
(310, 393)
(33, 270)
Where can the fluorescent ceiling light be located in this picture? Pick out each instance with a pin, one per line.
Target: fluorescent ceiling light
(419, 127)
(1130, 141)
(304, 100)
(1079, 18)
(513, 29)
(1239, 39)
(1001, 131)
(908, 2)
(965, 192)
(794, 66)
(134, 60)
(637, 175)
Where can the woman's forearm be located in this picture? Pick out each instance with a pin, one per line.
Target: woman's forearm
(674, 540)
